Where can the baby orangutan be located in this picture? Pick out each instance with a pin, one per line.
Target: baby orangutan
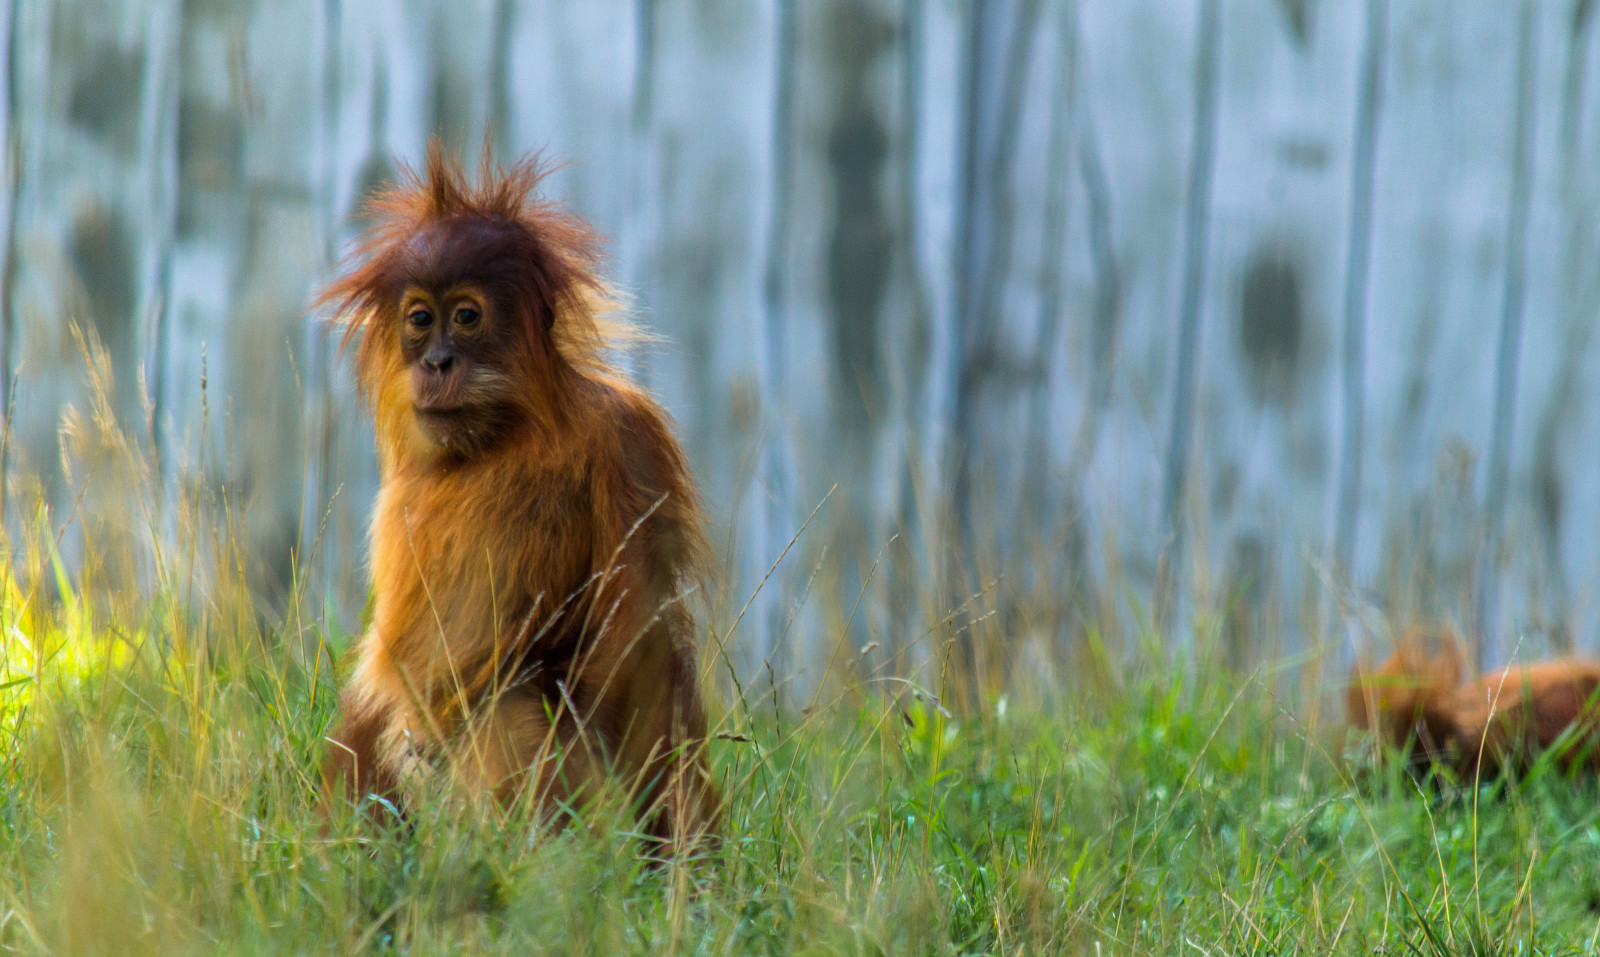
(536, 528)
(1418, 704)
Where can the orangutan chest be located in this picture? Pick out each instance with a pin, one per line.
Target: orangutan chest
(527, 560)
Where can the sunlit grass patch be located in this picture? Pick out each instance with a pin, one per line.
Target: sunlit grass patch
(52, 642)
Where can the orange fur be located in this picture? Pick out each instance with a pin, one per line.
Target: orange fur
(1510, 715)
(536, 529)
(1394, 700)
(1417, 701)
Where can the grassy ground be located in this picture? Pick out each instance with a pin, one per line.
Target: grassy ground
(157, 796)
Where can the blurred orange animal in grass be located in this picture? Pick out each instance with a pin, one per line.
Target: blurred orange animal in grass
(1418, 703)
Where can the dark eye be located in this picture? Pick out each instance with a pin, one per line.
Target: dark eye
(467, 316)
(420, 318)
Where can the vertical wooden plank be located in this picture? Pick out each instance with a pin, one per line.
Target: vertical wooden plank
(1426, 292)
(159, 152)
(909, 573)
(359, 158)
(27, 300)
(316, 560)
(1561, 461)
(496, 79)
(930, 213)
(843, 306)
(1258, 509)
(9, 178)
(999, 57)
(1491, 647)
(768, 525)
(1059, 581)
(1358, 260)
(1052, 279)
(1197, 216)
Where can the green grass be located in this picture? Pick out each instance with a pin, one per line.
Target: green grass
(159, 760)
(157, 795)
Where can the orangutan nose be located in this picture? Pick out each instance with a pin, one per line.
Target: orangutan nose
(438, 360)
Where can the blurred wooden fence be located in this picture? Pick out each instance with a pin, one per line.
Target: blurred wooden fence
(1221, 303)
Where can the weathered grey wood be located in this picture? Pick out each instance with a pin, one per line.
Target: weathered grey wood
(952, 257)
(10, 153)
(1196, 248)
(768, 497)
(1358, 266)
(1507, 358)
